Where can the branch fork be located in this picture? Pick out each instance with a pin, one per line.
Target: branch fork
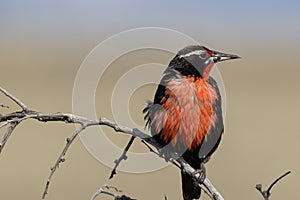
(12, 120)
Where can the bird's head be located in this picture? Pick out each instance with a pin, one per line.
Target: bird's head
(198, 60)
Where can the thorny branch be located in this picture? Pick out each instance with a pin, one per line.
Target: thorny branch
(61, 158)
(122, 157)
(15, 118)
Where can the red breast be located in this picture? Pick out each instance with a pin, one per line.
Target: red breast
(188, 113)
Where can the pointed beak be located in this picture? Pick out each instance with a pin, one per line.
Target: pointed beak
(219, 56)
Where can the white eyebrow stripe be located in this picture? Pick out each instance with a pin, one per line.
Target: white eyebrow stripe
(196, 52)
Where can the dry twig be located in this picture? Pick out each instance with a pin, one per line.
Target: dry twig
(7, 134)
(15, 118)
(267, 193)
(122, 157)
(104, 190)
(16, 100)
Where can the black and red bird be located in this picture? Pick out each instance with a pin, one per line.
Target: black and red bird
(186, 115)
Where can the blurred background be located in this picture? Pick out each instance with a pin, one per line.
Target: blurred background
(43, 43)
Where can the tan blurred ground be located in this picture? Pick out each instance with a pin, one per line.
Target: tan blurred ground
(261, 140)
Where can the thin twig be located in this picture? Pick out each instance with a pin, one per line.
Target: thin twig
(7, 134)
(214, 194)
(17, 117)
(15, 99)
(61, 158)
(103, 190)
(278, 179)
(4, 124)
(166, 197)
(122, 157)
(267, 193)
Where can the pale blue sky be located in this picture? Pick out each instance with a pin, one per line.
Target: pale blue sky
(240, 21)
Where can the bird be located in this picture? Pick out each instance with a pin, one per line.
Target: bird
(186, 115)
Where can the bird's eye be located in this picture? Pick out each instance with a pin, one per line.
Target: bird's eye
(203, 55)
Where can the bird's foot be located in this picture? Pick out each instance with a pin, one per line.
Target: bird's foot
(200, 174)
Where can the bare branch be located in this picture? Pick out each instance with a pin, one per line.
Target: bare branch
(212, 191)
(267, 193)
(122, 157)
(61, 158)
(103, 190)
(7, 134)
(4, 124)
(278, 179)
(172, 160)
(17, 117)
(15, 99)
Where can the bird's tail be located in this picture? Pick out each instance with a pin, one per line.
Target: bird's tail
(190, 187)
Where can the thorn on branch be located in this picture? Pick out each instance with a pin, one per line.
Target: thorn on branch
(122, 157)
(61, 158)
(68, 140)
(3, 106)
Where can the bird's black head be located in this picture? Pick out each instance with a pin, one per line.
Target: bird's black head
(196, 60)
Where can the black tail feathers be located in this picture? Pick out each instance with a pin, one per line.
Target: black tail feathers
(190, 187)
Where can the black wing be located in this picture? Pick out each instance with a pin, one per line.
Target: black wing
(160, 98)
